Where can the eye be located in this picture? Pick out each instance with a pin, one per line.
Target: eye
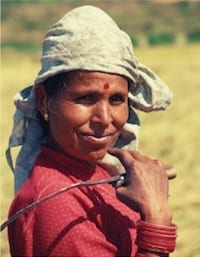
(117, 99)
(86, 99)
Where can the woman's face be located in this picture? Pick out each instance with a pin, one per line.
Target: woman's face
(86, 117)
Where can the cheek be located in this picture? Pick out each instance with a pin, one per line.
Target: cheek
(121, 116)
(68, 116)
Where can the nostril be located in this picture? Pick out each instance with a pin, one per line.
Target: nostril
(97, 128)
(101, 114)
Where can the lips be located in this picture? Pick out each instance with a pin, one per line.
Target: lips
(97, 139)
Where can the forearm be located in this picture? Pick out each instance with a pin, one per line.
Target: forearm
(155, 240)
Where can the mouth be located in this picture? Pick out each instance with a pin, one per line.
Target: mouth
(100, 140)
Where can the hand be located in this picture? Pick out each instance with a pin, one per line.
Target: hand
(147, 186)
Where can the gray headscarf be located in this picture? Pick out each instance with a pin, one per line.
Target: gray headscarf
(87, 39)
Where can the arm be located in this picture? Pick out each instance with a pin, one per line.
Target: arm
(63, 227)
(146, 192)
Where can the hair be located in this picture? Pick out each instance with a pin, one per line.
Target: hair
(54, 84)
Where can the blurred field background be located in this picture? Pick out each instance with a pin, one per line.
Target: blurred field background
(166, 36)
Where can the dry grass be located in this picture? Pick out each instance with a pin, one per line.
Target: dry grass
(172, 136)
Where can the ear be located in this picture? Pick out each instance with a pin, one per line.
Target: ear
(41, 99)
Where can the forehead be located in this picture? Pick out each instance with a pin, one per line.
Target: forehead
(93, 79)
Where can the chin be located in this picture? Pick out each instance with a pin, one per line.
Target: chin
(96, 156)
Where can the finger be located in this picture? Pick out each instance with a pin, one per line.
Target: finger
(171, 171)
(159, 163)
(127, 159)
(138, 156)
(124, 156)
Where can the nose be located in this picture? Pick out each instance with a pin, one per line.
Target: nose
(102, 114)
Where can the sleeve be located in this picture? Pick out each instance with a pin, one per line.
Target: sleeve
(20, 230)
(62, 226)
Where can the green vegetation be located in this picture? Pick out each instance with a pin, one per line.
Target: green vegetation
(156, 22)
(21, 46)
(160, 39)
(194, 35)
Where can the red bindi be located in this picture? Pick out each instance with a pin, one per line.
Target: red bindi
(106, 86)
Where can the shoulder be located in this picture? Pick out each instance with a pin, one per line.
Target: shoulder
(44, 179)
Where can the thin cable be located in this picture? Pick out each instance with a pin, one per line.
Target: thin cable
(116, 181)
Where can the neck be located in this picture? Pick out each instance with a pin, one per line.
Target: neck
(54, 146)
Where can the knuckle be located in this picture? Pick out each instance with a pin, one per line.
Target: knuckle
(158, 163)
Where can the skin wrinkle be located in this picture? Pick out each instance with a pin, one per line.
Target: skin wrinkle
(65, 88)
(84, 111)
(73, 49)
(92, 119)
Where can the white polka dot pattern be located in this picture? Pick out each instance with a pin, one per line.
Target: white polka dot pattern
(87, 221)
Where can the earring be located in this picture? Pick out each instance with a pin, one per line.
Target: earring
(46, 116)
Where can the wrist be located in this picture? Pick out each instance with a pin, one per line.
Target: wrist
(158, 240)
(160, 216)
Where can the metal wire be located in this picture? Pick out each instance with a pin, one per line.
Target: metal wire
(117, 181)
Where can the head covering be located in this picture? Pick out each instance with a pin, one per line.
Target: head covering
(86, 38)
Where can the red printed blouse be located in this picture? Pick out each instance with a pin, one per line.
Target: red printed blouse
(86, 221)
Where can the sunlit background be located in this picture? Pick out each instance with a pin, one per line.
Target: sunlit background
(166, 37)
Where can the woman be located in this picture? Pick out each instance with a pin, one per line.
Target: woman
(75, 124)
